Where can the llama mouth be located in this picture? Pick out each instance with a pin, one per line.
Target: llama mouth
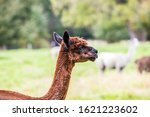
(93, 58)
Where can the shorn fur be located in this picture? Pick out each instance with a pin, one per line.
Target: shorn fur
(143, 64)
(72, 50)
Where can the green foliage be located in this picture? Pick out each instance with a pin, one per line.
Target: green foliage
(111, 32)
(24, 22)
(104, 18)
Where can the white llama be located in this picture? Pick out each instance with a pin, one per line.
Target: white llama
(54, 51)
(118, 61)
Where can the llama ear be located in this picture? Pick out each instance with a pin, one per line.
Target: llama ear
(57, 38)
(66, 39)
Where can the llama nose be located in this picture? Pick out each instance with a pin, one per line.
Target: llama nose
(95, 51)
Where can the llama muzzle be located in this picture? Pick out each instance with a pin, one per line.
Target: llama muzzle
(94, 55)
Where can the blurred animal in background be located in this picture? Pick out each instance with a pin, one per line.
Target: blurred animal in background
(143, 64)
(54, 51)
(54, 48)
(118, 61)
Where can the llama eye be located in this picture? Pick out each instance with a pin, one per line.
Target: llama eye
(78, 50)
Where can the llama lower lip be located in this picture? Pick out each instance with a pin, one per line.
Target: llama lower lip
(92, 58)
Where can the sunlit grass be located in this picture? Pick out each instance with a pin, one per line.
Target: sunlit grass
(31, 72)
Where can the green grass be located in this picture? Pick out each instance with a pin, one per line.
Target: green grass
(31, 72)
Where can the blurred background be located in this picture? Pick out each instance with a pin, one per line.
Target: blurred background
(26, 23)
(26, 27)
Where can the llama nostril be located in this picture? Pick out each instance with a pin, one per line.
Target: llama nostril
(93, 50)
(96, 51)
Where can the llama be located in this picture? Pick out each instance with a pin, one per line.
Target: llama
(117, 61)
(143, 64)
(54, 51)
(72, 50)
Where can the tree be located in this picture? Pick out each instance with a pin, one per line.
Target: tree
(24, 22)
(104, 18)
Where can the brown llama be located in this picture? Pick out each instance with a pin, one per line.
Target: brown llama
(143, 64)
(72, 50)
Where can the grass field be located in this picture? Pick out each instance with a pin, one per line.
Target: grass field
(31, 72)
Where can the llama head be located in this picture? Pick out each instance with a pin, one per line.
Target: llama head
(76, 48)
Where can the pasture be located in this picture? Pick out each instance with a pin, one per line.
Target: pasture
(31, 72)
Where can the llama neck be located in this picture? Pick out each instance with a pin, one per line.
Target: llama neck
(61, 79)
(131, 51)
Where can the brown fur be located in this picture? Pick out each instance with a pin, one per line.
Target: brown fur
(65, 63)
(143, 64)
